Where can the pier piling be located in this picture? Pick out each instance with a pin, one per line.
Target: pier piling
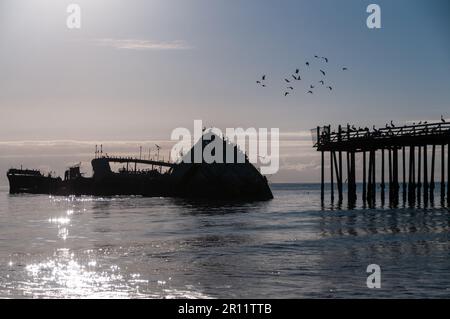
(364, 178)
(322, 184)
(331, 177)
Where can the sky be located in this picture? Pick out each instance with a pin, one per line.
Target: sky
(138, 69)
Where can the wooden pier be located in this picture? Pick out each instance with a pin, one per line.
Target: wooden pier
(410, 153)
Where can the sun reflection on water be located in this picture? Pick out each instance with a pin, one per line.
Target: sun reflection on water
(64, 276)
(67, 274)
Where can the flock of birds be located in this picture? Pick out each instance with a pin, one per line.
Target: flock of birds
(390, 125)
(297, 77)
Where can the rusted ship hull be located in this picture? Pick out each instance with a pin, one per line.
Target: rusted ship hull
(229, 181)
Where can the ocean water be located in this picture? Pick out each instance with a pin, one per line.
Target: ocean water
(290, 247)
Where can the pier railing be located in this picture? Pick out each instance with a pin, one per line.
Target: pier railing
(352, 138)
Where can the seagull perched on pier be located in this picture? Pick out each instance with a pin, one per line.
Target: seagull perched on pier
(442, 119)
(392, 124)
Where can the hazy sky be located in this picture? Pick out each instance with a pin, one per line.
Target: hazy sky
(138, 69)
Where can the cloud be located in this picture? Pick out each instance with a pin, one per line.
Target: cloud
(140, 44)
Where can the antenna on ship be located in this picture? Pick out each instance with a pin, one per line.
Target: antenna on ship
(101, 149)
(158, 148)
(96, 150)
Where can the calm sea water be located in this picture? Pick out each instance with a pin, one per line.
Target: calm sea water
(132, 247)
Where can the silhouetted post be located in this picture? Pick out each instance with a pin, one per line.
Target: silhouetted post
(331, 176)
(448, 174)
(425, 174)
(322, 176)
(433, 163)
(354, 176)
(390, 174)
(364, 178)
(340, 166)
(349, 195)
(374, 184)
(382, 176)
(411, 186)
(442, 172)
(395, 175)
(348, 179)
(419, 172)
(404, 172)
(338, 174)
(369, 181)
